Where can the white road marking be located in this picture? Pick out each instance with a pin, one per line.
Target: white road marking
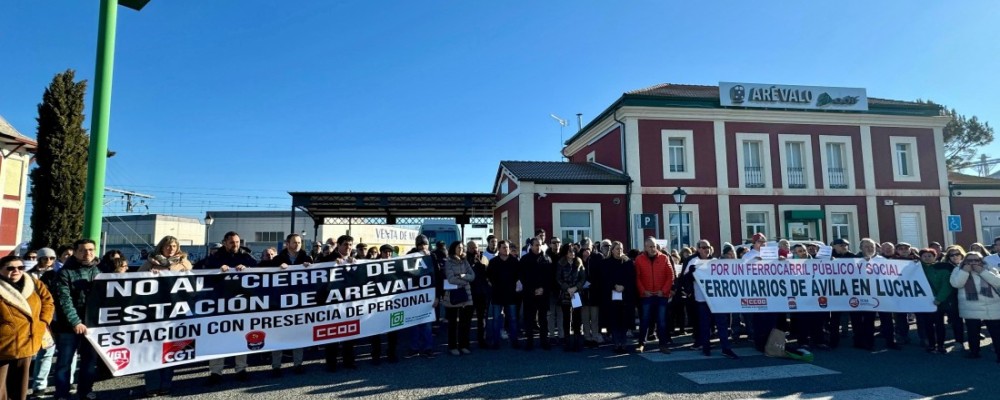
(756, 374)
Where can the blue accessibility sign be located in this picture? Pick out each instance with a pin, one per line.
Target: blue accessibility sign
(954, 223)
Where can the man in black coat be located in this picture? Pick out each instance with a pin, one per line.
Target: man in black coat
(537, 277)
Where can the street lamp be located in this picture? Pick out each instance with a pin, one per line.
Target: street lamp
(208, 233)
(679, 196)
(101, 115)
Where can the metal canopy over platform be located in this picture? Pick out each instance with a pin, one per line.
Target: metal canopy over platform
(393, 208)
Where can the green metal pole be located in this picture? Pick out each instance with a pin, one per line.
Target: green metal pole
(93, 206)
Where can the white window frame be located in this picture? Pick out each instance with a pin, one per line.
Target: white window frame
(765, 157)
(914, 165)
(768, 218)
(695, 221)
(824, 161)
(592, 157)
(689, 165)
(922, 219)
(595, 214)
(977, 210)
(807, 159)
(852, 219)
(504, 187)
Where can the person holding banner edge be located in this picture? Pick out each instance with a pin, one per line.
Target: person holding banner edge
(421, 336)
(293, 254)
(230, 256)
(72, 286)
(167, 256)
(26, 309)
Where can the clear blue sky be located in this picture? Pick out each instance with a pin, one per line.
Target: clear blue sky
(230, 104)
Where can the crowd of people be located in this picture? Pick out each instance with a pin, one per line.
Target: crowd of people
(576, 296)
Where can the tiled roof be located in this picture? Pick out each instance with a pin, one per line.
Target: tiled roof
(963, 179)
(712, 92)
(10, 136)
(563, 172)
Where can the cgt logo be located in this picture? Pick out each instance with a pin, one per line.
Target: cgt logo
(120, 356)
(396, 319)
(337, 330)
(181, 350)
(823, 302)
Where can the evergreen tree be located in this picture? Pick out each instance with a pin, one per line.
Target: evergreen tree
(58, 182)
(964, 137)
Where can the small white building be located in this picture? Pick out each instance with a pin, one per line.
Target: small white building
(131, 234)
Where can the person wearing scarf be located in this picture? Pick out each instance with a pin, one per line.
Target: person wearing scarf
(978, 299)
(26, 309)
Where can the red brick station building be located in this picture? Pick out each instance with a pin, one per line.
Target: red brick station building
(796, 162)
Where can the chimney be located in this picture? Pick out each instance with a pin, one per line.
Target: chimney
(579, 122)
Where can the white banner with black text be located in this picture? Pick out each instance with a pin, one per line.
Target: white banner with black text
(142, 321)
(852, 284)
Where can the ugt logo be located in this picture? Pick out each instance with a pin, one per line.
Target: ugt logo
(396, 319)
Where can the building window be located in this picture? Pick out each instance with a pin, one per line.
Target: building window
(575, 225)
(840, 225)
(268, 236)
(756, 221)
(836, 171)
(795, 167)
(675, 156)
(504, 186)
(678, 154)
(753, 169)
(592, 157)
(504, 221)
(989, 221)
(911, 225)
(904, 165)
(679, 229)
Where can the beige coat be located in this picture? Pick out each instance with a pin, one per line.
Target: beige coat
(176, 264)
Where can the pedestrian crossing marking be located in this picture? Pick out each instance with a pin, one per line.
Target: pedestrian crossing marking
(756, 374)
(684, 354)
(880, 393)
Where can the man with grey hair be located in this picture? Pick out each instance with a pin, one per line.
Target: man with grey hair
(605, 249)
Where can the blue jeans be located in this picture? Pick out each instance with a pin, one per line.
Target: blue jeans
(421, 338)
(67, 346)
(659, 305)
(496, 323)
(40, 366)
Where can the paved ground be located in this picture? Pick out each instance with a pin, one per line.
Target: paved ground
(844, 373)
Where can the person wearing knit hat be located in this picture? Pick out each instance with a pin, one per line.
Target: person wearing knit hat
(756, 243)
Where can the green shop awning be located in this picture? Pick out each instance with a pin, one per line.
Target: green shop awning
(804, 215)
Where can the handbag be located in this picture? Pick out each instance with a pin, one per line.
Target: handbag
(775, 344)
(458, 296)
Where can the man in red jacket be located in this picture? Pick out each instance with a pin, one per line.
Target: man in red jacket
(655, 279)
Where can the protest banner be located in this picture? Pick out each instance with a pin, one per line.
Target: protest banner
(851, 284)
(144, 321)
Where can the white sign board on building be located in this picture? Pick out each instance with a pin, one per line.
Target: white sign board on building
(763, 95)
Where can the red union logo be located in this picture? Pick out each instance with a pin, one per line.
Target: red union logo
(753, 301)
(337, 330)
(120, 356)
(823, 302)
(181, 350)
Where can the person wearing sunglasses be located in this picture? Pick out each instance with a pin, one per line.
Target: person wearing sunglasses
(26, 309)
(978, 288)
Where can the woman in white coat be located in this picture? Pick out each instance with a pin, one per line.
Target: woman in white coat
(978, 299)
